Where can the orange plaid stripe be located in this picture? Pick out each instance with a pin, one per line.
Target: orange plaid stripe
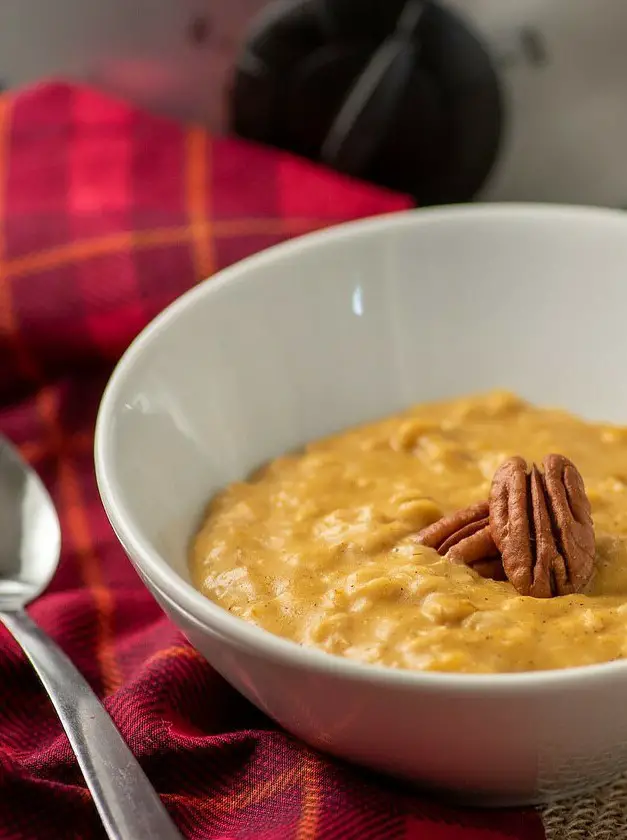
(198, 155)
(64, 256)
(5, 126)
(78, 443)
(179, 652)
(239, 797)
(311, 779)
(78, 530)
(8, 322)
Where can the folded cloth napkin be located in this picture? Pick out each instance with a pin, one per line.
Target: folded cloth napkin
(106, 215)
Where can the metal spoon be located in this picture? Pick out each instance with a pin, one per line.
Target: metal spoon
(30, 542)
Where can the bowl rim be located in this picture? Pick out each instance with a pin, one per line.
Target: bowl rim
(155, 569)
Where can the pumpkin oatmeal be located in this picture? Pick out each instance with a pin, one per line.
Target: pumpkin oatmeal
(323, 546)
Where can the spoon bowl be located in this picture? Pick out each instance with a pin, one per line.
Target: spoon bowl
(30, 542)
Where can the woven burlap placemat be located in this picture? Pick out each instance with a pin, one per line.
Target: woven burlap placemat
(601, 815)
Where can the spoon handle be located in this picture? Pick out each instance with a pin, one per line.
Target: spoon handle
(128, 805)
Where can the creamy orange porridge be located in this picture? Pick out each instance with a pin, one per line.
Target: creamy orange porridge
(322, 547)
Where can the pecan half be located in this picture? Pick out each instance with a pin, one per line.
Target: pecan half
(464, 537)
(542, 525)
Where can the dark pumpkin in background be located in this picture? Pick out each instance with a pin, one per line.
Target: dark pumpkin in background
(399, 93)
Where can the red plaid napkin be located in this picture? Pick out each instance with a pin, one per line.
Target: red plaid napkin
(106, 215)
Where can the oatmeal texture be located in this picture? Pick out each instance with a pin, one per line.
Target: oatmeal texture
(320, 546)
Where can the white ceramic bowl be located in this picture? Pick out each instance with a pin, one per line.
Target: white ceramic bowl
(341, 327)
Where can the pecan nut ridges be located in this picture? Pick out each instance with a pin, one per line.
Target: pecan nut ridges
(465, 537)
(541, 523)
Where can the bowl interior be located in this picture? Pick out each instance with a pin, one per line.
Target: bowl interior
(351, 324)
